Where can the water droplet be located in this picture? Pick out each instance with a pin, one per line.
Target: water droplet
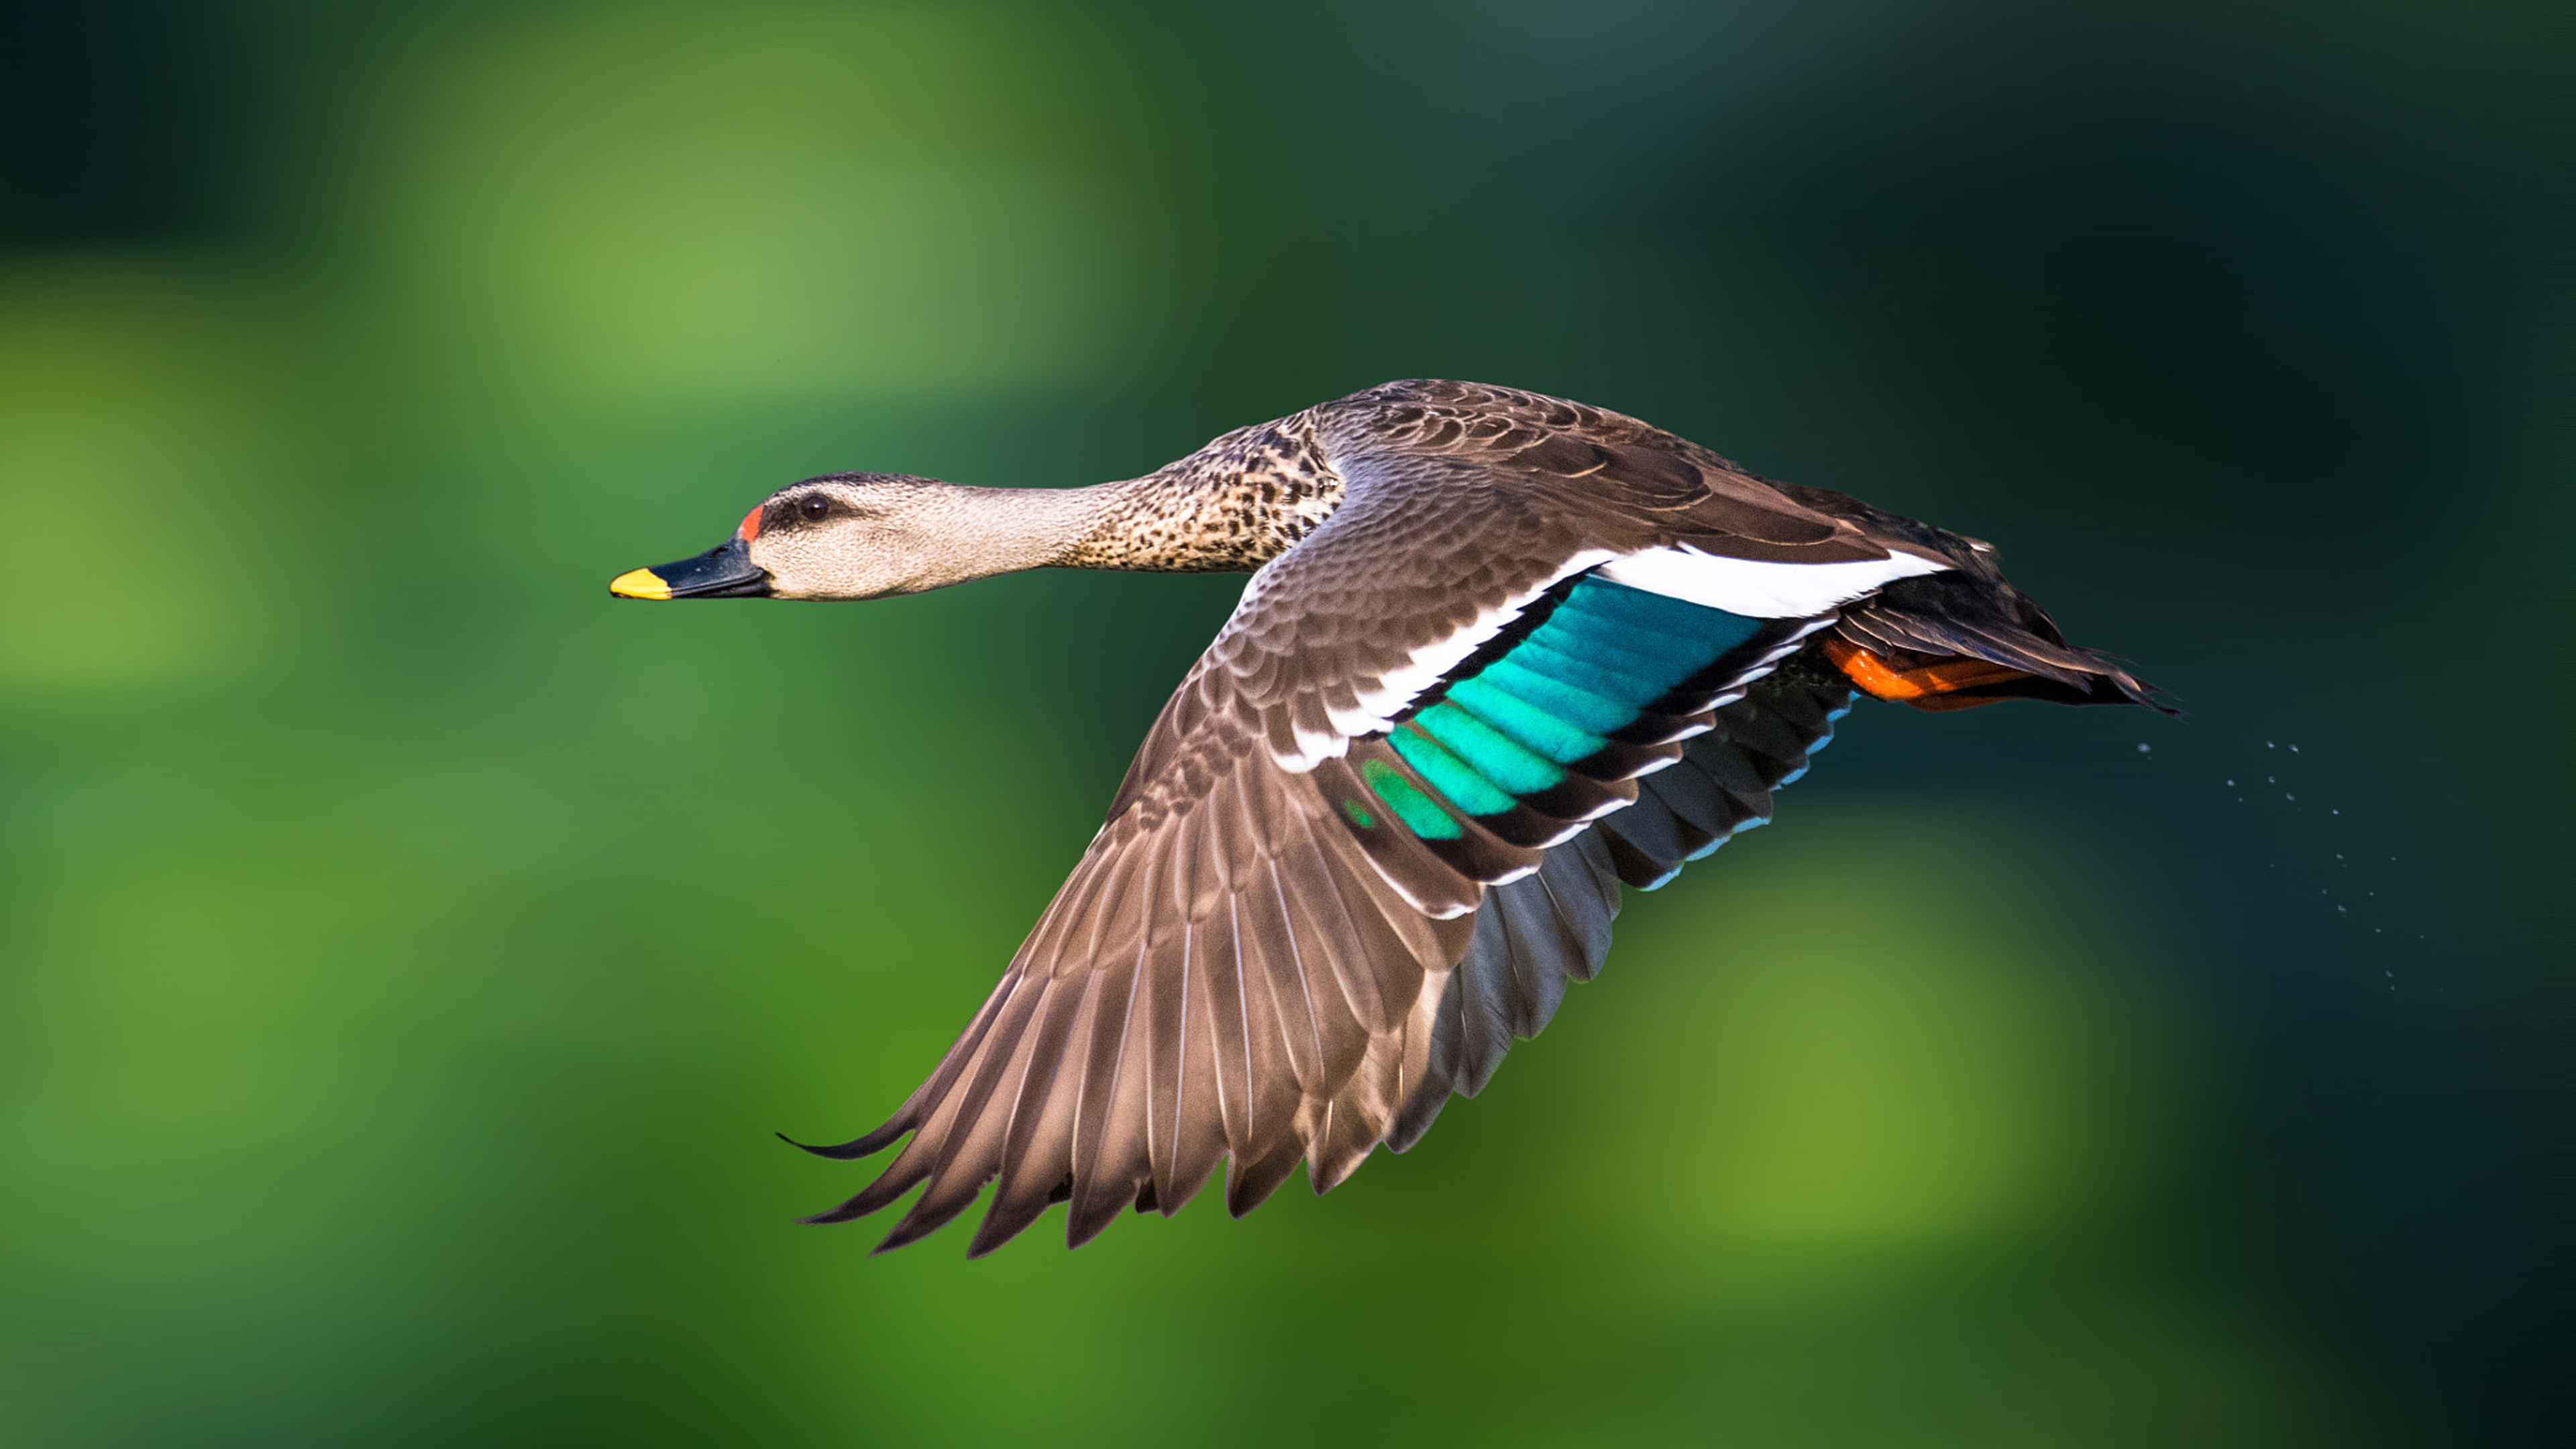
(2286, 795)
(2271, 779)
(2340, 911)
(2142, 749)
(2231, 782)
(2294, 749)
(2267, 744)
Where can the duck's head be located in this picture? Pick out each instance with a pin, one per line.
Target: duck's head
(844, 536)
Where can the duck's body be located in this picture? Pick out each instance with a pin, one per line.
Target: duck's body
(1502, 653)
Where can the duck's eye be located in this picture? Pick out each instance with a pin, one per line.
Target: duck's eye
(813, 508)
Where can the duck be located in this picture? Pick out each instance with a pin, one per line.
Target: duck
(1502, 657)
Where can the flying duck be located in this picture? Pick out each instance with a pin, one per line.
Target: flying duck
(1500, 655)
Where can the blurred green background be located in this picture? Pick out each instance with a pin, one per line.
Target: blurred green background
(406, 952)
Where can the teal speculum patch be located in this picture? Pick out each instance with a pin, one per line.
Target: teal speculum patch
(1451, 776)
(1511, 729)
(1513, 767)
(1418, 811)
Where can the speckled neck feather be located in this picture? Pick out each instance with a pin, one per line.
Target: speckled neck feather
(1230, 507)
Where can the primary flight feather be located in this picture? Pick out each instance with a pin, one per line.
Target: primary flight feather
(1500, 654)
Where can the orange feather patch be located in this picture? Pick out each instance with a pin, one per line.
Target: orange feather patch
(1921, 688)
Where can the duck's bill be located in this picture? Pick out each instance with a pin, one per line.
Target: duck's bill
(719, 573)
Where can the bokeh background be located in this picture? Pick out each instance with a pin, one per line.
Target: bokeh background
(409, 951)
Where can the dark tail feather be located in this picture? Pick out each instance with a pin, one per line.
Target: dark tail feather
(1964, 637)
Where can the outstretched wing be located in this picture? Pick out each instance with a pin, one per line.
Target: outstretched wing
(1536, 934)
(1432, 696)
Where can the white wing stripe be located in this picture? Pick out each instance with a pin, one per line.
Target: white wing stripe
(1758, 589)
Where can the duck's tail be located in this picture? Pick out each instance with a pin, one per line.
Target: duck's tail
(1965, 637)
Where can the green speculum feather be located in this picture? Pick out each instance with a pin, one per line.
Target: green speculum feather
(1531, 725)
(1418, 811)
(1511, 766)
(1509, 731)
(1450, 775)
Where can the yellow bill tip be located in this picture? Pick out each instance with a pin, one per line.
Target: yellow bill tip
(639, 584)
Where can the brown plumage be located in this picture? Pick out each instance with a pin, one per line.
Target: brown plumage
(1301, 927)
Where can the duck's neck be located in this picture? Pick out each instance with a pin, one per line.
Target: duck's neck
(988, 531)
(1148, 523)
(1230, 507)
(1160, 524)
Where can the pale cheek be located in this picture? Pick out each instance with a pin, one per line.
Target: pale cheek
(841, 563)
(794, 573)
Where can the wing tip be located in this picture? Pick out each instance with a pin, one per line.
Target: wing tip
(857, 1147)
(1247, 1188)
